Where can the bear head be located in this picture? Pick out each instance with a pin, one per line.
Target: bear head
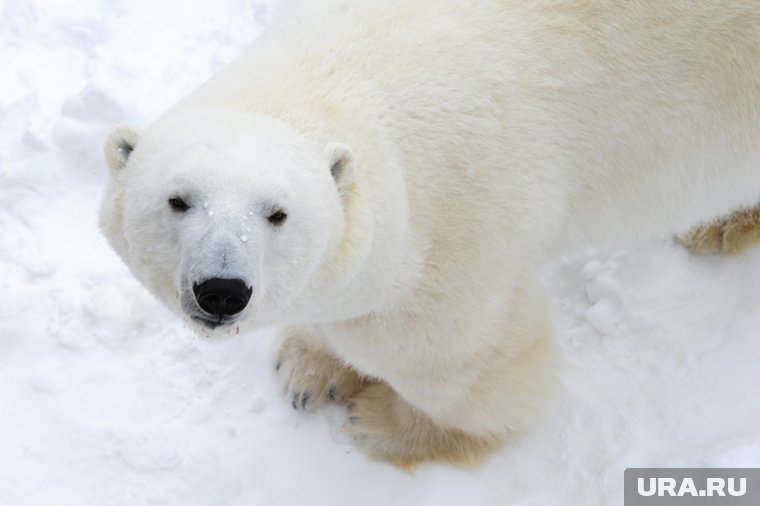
(224, 216)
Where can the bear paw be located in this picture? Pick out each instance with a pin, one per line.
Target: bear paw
(311, 375)
(728, 235)
(388, 428)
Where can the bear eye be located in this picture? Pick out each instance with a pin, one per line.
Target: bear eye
(277, 218)
(179, 205)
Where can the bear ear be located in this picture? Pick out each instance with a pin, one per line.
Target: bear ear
(341, 160)
(119, 146)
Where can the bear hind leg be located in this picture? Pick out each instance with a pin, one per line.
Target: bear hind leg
(727, 235)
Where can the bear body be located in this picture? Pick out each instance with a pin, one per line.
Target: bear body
(427, 157)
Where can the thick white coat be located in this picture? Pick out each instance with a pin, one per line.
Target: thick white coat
(484, 136)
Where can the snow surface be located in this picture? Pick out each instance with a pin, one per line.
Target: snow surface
(106, 399)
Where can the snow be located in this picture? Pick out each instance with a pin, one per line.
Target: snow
(106, 399)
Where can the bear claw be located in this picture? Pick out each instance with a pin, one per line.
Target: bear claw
(311, 376)
(305, 399)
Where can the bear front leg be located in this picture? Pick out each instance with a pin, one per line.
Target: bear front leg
(388, 428)
(727, 235)
(456, 400)
(311, 374)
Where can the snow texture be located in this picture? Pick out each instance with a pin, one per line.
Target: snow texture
(106, 399)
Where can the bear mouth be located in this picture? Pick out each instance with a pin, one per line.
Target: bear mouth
(207, 320)
(212, 323)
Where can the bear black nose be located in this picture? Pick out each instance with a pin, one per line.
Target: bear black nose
(223, 297)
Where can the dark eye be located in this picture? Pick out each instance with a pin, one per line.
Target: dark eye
(179, 205)
(277, 218)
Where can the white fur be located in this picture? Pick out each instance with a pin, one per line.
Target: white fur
(479, 138)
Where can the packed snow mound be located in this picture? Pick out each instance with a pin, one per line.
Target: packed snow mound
(109, 400)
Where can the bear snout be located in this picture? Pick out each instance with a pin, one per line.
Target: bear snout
(222, 297)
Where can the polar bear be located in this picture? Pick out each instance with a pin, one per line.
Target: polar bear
(383, 180)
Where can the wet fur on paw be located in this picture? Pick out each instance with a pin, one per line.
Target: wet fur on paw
(388, 428)
(728, 235)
